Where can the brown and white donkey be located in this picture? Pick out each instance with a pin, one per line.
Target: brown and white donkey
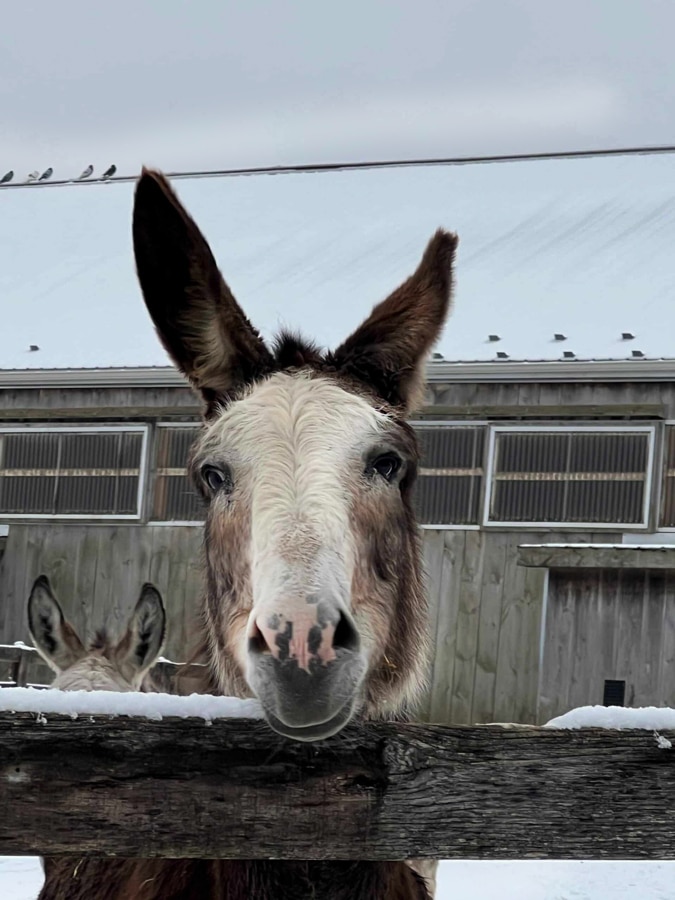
(314, 599)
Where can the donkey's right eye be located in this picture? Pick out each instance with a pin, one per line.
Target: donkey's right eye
(216, 479)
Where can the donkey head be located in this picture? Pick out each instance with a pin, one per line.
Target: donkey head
(313, 600)
(105, 666)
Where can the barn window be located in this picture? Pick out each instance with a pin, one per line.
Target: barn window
(174, 497)
(668, 505)
(450, 476)
(71, 472)
(569, 476)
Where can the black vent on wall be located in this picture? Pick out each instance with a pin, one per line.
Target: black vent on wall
(614, 693)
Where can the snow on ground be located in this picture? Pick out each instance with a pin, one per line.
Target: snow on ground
(21, 878)
(150, 706)
(648, 717)
(536, 880)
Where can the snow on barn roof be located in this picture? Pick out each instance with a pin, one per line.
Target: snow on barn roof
(558, 260)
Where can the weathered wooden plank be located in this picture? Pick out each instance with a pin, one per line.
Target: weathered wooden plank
(432, 559)
(577, 679)
(489, 624)
(10, 623)
(596, 666)
(178, 565)
(608, 604)
(449, 590)
(510, 649)
(630, 630)
(667, 661)
(90, 614)
(528, 648)
(512, 409)
(597, 557)
(471, 578)
(558, 650)
(651, 639)
(179, 788)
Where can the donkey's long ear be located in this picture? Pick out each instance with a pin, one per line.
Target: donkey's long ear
(55, 639)
(389, 350)
(144, 638)
(198, 320)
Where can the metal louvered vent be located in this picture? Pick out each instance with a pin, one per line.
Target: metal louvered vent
(174, 497)
(614, 693)
(78, 472)
(450, 477)
(567, 476)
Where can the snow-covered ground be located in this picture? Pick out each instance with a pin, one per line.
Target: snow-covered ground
(21, 877)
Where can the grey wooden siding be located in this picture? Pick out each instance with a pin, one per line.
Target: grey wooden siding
(97, 572)
(485, 609)
(608, 624)
(481, 649)
(486, 618)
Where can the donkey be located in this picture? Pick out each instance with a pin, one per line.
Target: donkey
(106, 665)
(314, 599)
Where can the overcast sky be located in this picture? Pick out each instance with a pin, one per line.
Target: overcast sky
(186, 84)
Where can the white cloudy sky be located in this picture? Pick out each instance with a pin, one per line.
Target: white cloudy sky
(185, 84)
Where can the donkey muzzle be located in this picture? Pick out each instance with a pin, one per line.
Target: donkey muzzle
(306, 672)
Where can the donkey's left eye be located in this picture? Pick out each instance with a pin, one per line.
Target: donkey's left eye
(216, 478)
(387, 465)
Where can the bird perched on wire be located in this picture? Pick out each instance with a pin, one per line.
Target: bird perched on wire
(88, 172)
(33, 176)
(109, 172)
(7, 177)
(47, 174)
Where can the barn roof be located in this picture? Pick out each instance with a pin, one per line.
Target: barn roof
(582, 249)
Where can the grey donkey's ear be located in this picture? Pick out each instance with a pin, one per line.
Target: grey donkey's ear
(54, 638)
(143, 640)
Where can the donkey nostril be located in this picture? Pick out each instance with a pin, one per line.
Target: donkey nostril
(256, 642)
(346, 636)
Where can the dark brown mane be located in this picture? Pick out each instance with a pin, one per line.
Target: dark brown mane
(92, 879)
(101, 642)
(292, 351)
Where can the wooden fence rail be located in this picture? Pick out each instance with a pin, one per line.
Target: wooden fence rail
(100, 786)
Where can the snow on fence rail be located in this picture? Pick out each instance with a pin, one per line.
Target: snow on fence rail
(210, 786)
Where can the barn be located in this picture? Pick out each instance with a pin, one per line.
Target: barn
(546, 495)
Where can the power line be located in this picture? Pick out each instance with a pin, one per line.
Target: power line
(309, 168)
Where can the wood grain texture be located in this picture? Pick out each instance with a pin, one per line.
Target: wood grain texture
(626, 557)
(180, 788)
(97, 571)
(605, 624)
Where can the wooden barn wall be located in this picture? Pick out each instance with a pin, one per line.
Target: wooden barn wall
(608, 624)
(486, 618)
(453, 400)
(539, 399)
(485, 609)
(97, 572)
